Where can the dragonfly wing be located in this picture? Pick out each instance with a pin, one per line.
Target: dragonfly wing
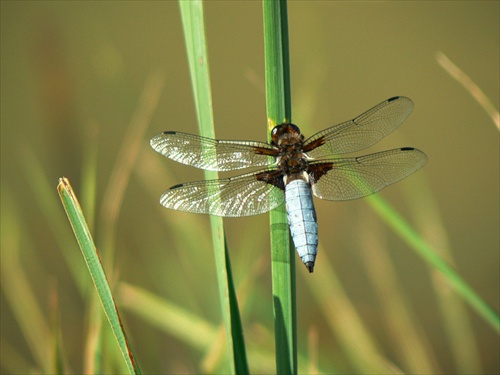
(351, 178)
(361, 132)
(244, 195)
(211, 154)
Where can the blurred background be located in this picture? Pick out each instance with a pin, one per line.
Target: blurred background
(85, 85)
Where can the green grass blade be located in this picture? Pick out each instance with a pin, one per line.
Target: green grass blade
(194, 33)
(89, 251)
(277, 64)
(278, 101)
(400, 226)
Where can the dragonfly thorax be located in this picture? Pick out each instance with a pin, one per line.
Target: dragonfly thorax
(289, 142)
(292, 162)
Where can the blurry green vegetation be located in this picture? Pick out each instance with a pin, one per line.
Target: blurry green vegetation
(81, 96)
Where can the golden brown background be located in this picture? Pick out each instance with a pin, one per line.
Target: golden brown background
(72, 76)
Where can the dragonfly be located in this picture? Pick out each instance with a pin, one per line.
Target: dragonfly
(293, 170)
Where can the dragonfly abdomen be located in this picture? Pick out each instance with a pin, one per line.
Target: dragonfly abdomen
(302, 220)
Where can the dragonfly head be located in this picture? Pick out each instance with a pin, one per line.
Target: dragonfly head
(286, 133)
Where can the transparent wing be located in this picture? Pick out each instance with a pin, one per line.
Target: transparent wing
(211, 154)
(351, 178)
(244, 195)
(362, 132)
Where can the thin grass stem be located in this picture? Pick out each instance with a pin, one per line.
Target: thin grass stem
(278, 101)
(195, 39)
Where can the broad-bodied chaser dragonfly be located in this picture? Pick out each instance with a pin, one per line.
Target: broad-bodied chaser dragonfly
(294, 170)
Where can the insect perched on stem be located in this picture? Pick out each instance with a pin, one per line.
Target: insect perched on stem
(295, 169)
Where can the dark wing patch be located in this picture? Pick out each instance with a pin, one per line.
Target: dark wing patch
(244, 195)
(351, 178)
(273, 177)
(318, 169)
(361, 132)
(211, 154)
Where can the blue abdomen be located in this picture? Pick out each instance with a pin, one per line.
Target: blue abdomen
(302, 220)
